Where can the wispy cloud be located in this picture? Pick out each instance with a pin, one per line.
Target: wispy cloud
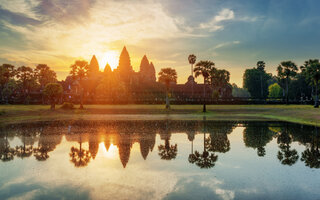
(215, 23)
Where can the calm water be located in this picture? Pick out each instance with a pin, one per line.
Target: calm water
(159, 160)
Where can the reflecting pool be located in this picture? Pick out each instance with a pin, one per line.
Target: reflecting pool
(159, 160)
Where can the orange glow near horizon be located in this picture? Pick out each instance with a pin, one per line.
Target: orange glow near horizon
(110, 57)
(111, 153)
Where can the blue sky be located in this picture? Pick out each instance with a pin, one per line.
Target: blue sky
(234, 34)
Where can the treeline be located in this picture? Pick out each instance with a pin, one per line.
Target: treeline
(22, 81)
(290, 83)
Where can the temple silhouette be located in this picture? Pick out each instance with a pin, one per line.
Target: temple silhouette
(129, 85)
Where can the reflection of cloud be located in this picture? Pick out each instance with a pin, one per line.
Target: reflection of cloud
(25, 191)
(200, 187)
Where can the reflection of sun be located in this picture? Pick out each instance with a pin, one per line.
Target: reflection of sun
(111, 153)
(110, 57)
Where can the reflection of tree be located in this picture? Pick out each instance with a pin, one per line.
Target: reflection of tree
(93, 145)
(207, 158)
(26, 149)
(219, 141)
(286, 155)
(46, 144)
(6, 152)
(257, 136)
(311, 156)
(79, 157)
(167, 151)
(191, 157)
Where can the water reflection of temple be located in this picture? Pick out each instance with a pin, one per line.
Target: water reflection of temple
(41, 139)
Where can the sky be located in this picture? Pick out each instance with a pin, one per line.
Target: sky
(234, 34)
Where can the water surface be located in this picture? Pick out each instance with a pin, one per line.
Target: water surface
(159, 160)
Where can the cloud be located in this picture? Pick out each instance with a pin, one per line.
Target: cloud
(221, 45)
(215, 23)
(76, 29)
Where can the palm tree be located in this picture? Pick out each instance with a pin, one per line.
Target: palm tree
(167, 151)
(203, 68)
(311, 156)
(167, 76)
(286, 155)
(206, 159)
(287, 70)
(192, 59)
(79, 72)
(79, 157)
(311, 69)
(261, 66)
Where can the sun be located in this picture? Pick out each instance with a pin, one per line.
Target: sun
(110, 57)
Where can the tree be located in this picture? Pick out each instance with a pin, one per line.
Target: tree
(203, 68)
(274, 91)
(312, 71)
(286, 70)
(45, 75)
(256, 82)
(261, 67)
(79, 72)
(9, 90)
(167, 76)
(27, 81)
(192, 59)
(7, 73)
(219, 78)
(53, 91)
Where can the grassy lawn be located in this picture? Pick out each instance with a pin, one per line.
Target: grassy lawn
(304, 114)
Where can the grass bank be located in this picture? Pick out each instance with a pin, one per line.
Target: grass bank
(304, 114)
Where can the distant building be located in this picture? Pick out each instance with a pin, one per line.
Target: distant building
(141, 85)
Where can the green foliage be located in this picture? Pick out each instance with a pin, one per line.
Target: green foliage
(27, 81)
(275, 91)
(239, 92)
(256, 82)
(45, 75)
(53, 90)
(67, 106)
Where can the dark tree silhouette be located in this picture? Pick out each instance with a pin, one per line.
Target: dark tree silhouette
(257, 136)
(192, 59)
(167, 151)
(53, 91)
(312, 70)
(206, 159)
(203, 69)
(311, 156)
(7, 153)
(286, 70)
(286, 155)
(167, 76)
(79, 157)
(79, 72)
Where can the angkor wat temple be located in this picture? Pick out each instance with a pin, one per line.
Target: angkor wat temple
(125, 84)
